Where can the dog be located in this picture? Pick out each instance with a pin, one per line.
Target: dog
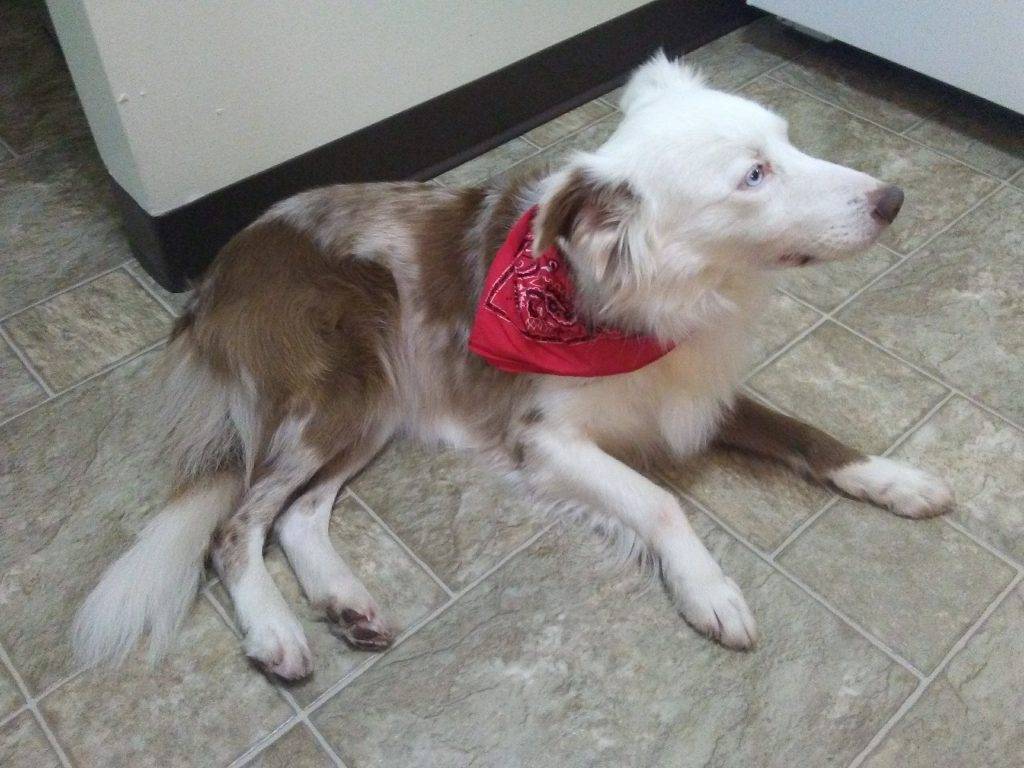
(343, 317)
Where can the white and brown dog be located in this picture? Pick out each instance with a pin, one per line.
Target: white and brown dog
(341, 318)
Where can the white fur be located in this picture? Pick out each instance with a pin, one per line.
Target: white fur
(152, 585)
(904, 489)
(330, 585)
(273, 635)
(692, 244)
(576, 469)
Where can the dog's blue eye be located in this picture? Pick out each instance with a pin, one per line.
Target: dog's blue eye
(755, 175)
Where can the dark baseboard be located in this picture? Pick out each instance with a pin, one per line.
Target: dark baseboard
(434, 136)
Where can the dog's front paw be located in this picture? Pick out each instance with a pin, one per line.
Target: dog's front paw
(280, 648)
(715, 607)
(901, 488)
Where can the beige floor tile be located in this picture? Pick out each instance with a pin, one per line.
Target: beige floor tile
(983, 459)
(826, 286)
(937, 188)
(203, 705)
(783, 320)
(296, 749)
(983, 135)
(78, 333)
(972, 715)
(843, 385)
(403, 590)
(957, 308)
(747, 52)
(917, 585)
(763, 502)
(558, 660)
(547, 134)
(80, 477)
(459, 517)
(490, 163)
(23, 745)
(58, 223)
(18, 390)
(10, 696)
(882, 92)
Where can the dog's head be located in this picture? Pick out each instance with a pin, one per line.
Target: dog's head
(697, 186)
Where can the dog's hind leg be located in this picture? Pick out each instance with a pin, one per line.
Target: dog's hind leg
(274, 639)
(756, 429)
(330, 585)
(571, 468)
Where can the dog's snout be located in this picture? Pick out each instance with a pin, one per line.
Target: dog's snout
(886, 202)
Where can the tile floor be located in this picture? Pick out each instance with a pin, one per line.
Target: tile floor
(886, 642)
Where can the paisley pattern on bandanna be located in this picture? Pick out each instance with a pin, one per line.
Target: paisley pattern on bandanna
(526, 319)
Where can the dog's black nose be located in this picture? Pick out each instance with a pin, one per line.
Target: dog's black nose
(887, 201)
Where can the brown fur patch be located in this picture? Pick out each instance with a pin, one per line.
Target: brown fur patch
(756, 429)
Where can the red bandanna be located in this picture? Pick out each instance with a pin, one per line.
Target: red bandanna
(526, 322)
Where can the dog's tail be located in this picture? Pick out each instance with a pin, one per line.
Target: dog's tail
(152, 586)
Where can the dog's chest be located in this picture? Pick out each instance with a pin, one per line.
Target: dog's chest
(677, 400)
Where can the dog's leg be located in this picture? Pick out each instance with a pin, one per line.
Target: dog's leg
(274, 639)
(907, 491)
(571, 468)
(330, 585)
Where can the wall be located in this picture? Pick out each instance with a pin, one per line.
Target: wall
(186, 97)
(971, 44)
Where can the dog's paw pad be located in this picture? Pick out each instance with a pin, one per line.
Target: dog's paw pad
(364, 630)
(901, 488)
(716, 608)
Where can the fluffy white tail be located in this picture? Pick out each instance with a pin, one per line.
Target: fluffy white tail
(152, 586)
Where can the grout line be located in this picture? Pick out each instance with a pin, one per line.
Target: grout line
(924, 372)
(430, 571)
(116, 364)
(266, 741)
(957, 526)
(10, 150)
(31, 706)
(910, 254)
(60, 683)
(156, 297)
(62, 291)
(530, 141)
(813, 594)
(831, 317)
(948, 100)
(298, 716)
(888, 130)
(927, 681)
(837, 498)
(59, 394)
(10, 717)
(325, 745)
(784, 349)
(775, 68)
(417, 626)
(796, 532)
(27, 362)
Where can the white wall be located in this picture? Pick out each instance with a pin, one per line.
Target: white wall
(188, 96)
(972, 44)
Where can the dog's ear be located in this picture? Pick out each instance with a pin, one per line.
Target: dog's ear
(590, 218)
(656, 77)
